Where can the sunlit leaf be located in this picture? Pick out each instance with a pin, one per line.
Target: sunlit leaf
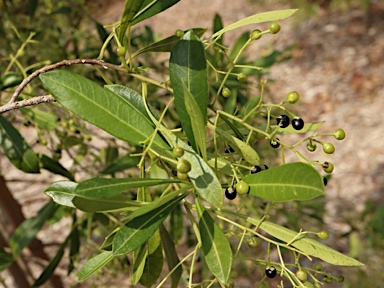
(62, 192)
(151, 8)
(216, 248)
(94, 264)
(293, 181)
(116, 203)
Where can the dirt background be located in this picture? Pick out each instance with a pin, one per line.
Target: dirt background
(337, 68)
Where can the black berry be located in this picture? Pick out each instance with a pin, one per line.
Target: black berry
(297, 123)
(255, 169)
(325, 181)
(265, 167)
(271, 272)
(283, 121)
(274, 143)
(230, 193)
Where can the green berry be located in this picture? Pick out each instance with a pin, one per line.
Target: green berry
(328, 167)
(302, 275)
(311, 146)
(242, 187)
(339, 134)
(323, 234)
(183, 166)
(328, 148)
(318, 267)
(340, 279)
(327, 279)
(230, 193)
(253, 241)
(242, 77)
(226, 92)
(182, 176)
(121, 51)
(256, 34)
(271, 272)
(178, 151)
(293, 97)
(274, 27)
(179, 33)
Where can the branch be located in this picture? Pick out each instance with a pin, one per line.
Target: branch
(26, 102)
(45, 69)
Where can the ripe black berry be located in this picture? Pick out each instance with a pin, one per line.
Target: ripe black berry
(297, 123)
(265, 167)
(274, 143)
(283, 121)
(271, 272)
(255, 169)
(325, 181)
(230, 193)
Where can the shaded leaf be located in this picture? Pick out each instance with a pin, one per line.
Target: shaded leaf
(55, 167)
(6, 259)
(171, 255)
(216, 248)
(17, 149)
(62, 192)
(188, 67)
(121, 164)
(28, 229)
(94, 264)
(42, 119)
(176, 226)
(117, 203)
(257, 18)
(104, 188)
(293, 181)
(101, 107)
(138, 230)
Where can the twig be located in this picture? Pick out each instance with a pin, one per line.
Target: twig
(26, 102)
(45, 69)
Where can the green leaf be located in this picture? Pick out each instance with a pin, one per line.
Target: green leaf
(42, 119)
(28, 229)
(117, 203)
(121, 164)
(6, 259)
(154, 261)
(139, 257)
(55, 167)
(293, 181)
(201, 175)
(138, 230)
(50, 268)
(257, 18)
(62, 192)
(167, 44)
(104, 188)
(198, 123)
(130, 10)
(171, 255)
(188, 67)
(307, 245)
(71, 141)
(101, 107)
(244, 149)
(94, 264)
(216, 248)
(176, 226)
(151, 8)
(17, 149)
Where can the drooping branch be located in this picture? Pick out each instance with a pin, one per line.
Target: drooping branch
(13, 104)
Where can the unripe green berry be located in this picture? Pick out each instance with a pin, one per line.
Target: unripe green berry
(293, 97)
(256, 34)
(318, 267)
(323, 234)
(179, 33)
(182, 176)
(183, 166)
(274, 27)
(328, 167)
(121, 51)
(328, 148)
(242, 187)
(178, 151)
(311, 146)
(226, 92)
(339, 134)
(301, 275)
(340, 279)
(242, 77)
